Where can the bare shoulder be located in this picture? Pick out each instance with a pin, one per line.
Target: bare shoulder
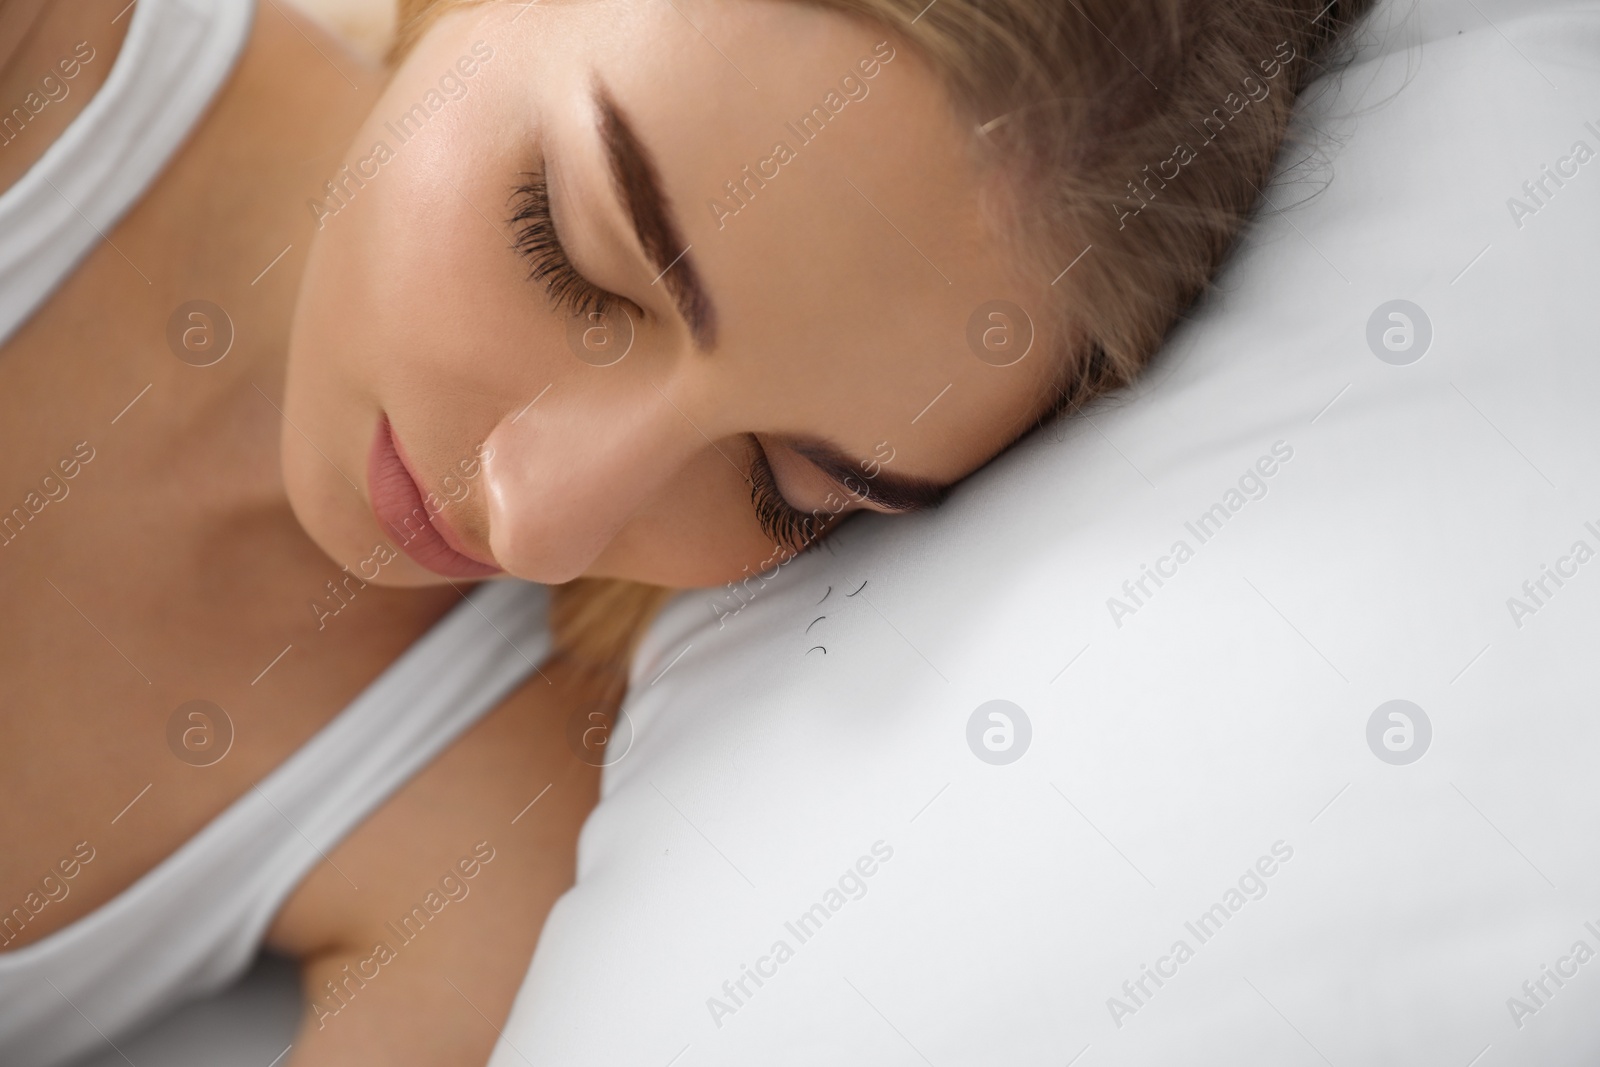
(426, 917)
(19, 20)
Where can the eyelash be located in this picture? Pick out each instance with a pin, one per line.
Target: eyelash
(538, 242)
(779, 519)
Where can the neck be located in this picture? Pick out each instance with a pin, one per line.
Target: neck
(231, 225)
(225, 222)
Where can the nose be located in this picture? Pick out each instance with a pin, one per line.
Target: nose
(565, 474)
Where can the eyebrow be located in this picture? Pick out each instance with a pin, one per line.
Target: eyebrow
(638, 184)
(888, 489)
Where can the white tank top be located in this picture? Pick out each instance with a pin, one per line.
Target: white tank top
(193, 923)
(175, 57)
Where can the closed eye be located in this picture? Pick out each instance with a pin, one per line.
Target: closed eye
(779, 519)
(548, 264)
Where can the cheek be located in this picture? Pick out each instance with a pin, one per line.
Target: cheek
(411, 286)
(413, 304)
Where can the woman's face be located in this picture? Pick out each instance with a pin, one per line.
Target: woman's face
(594, 270)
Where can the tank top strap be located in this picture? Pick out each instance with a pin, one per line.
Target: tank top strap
(174, 58)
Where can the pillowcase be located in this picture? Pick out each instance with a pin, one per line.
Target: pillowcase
(1248, 717)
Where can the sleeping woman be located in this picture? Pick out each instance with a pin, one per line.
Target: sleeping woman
(355, 421)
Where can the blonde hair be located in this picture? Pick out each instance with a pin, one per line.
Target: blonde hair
(1083, 108)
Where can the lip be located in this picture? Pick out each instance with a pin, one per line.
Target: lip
(397, 499)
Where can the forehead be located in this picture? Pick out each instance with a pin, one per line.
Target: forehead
(831, 199)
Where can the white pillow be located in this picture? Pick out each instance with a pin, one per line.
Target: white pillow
(1205, 752)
